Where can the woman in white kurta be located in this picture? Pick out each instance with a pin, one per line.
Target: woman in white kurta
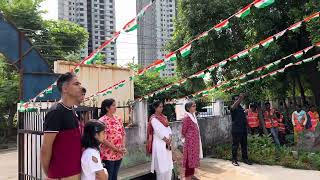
(159, 127)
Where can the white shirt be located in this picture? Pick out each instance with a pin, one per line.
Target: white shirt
(90, 164)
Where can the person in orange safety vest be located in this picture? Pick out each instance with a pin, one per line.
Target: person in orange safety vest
(271, 123)
(299, 120)
(253, 119)
(314, 115)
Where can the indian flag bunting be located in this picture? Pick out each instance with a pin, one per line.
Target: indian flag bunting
(223, 63)
(281, 70)
(223, 25)
(242, 77)
(205, 92)
(299, 63)
(244, 12)
(266, 43)
(315, 15)
(171, 57)
(203, 35)
(262, 3)
(41, 95)
(255, 47)
(185, 50)
(92, 58)
(234, 57)
(211, 68)
(131, 78)
(318, 44)
(119, 85)
(76, 69)
(274, 73)
(288, 65)
(243, 54)
(49, 90)
(295, 26)
(198, 75)
(160, 66)
(250, 73)
(298, 54)
(308, 60)
(277, 62)
(307, 49)
(280, 34)
(143, 10)
(269, 66)
(131, 26)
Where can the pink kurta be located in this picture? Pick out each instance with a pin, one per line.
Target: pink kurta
(191, 148)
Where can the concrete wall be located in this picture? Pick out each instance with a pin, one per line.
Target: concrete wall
(136, 136)
(98, 77)
(214, 130)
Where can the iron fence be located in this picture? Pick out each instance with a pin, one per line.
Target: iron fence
(30, 137)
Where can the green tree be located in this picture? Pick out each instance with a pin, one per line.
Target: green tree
(194, 18)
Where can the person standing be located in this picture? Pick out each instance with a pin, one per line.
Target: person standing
(91, 165)
(61, 148)
(299, 120)
(271, 122)
(314, 115)
(113, 148)
(239, 130)
(282, 127)
(159, 143)
(192, 148)
(253, 119)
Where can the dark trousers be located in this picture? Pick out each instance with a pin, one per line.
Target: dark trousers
(239, 138)
(112, 168)
(255, 130)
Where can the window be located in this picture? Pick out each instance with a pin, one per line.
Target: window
(96, 5)
(81, 14)
(101, 11)
(102, 38)
(102, 6)
(111, 12)
(70, 8)
(101, 16)
(82, 20)
(111, 7)
(111, 1)
(112, 53)
(101, 1)
(111, 17)
(102, 33)
(96, 26)
(81, 9)
(96, 37)
(102, 27)
(111, 27)
(112, 48)
(111, 22)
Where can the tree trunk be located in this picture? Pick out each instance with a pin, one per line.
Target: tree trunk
(12, 113)
(261, 119)
(302, 94)
(294, 92)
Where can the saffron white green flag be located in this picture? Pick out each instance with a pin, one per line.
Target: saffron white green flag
(185, 50)
(298, 54)
(223, 25)
(295, 26)
(266, 43)
(254, 47)
(171, 56)
(243, 54)
(280, 34)
(315, 15)
(244, 12)
(262, 3)
(131, 26)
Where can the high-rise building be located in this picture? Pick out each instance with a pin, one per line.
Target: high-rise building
(155, 29)
(98, 17)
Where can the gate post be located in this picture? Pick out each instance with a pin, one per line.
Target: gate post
(20, 146)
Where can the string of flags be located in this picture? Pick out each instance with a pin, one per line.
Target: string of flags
(243, 76)
(268, 66)
(90, 59)
(185, 50)
(264, 43)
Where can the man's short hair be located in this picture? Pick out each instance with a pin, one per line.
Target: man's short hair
(266, 103)
(64, 78)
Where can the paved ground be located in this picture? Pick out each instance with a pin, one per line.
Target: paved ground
(8, 165)
(211, 169)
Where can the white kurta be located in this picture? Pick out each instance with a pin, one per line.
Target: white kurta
(161, 157)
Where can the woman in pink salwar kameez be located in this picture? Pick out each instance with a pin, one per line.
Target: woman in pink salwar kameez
(192, 149)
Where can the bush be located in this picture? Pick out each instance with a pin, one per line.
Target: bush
(263, 151)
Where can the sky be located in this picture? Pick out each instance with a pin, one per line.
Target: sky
(125, 11)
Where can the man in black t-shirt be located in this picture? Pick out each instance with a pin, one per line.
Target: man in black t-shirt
(239, 130)
(61, 148)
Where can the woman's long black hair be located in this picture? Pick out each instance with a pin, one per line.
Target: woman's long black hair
(104, 105)
(154, 106)
(91, 128)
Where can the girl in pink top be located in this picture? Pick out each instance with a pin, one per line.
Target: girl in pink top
(113, 148)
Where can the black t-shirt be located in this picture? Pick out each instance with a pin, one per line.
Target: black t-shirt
(59, 118)
(66, 149)
(239, 120)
